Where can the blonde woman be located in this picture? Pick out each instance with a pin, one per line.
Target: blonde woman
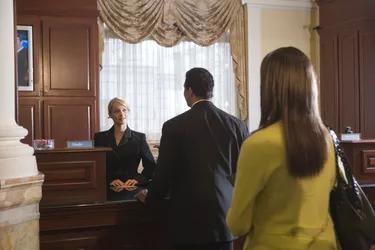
(128, 148)
(286, 169)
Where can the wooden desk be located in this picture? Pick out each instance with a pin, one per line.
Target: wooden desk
(120, 223)
(72, 176)
(361, 156)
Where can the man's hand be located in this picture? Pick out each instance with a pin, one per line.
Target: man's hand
(117, 183)
(141, 196)
(130, 183)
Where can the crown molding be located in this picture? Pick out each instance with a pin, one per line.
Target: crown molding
(281, 4)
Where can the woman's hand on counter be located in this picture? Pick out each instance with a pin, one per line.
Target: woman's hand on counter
(117, 183)
(130, 183)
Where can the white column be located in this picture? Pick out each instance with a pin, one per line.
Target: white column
(255, 41)
(16, 158)
(254, 61)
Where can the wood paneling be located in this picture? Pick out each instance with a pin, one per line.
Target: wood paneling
(30, 118)
(348, 108)
(67, 119)
(66, 175)
(337, 12)
(72, 176)
(57, 7)
(361, 157)
(367, 78)
(347, 37)
(109, 225)
(368, 161)
(65, 65)
(329, 77)
(70, 60)
(79, 241)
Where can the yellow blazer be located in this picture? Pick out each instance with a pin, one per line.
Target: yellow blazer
(274, 209)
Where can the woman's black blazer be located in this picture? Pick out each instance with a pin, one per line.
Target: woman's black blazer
(123, 160)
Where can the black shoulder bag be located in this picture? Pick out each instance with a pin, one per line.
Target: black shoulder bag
(351, 212)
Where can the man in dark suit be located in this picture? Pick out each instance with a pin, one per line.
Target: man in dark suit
(198, 153)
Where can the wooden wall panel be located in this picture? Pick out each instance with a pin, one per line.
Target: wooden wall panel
(69, 119)
(329, 80)
(72, 176)
(348, 78)
(368, 161)
(65, 60)
(64, 175)
(367, 78)
(352, 24)
(336, 12)
(107, 225)
(79, 241)
(70, 57)
(57, 7)
(30, 118)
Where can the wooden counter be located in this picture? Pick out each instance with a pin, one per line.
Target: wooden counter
(72, 176)
(120, 223)
(361, 156)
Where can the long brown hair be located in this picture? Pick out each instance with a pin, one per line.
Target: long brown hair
(289, 94)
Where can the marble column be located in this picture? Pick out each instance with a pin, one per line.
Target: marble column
(20, 182)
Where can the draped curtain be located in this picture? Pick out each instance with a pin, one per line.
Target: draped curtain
(169, 22)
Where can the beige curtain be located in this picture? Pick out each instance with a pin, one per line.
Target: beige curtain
(238, 50)
(170, 21)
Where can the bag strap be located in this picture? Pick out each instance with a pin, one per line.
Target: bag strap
(346, 183)
(341, 180)
(344, 167)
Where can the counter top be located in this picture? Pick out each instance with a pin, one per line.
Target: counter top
(359, 141)
(114, 196)
(72, 150)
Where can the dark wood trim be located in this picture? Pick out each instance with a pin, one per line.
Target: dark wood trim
(76, 150)
(72, 8)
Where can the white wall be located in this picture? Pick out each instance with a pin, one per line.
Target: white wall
(273, 24)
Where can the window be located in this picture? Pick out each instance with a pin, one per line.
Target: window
(150, 79)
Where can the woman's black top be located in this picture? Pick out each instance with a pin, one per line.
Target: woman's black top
(123, 160)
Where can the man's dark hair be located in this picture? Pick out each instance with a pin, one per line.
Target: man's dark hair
(201, 82)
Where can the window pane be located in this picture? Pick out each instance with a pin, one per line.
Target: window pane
(150, 79)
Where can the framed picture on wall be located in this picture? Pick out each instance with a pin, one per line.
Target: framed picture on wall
(24, 47)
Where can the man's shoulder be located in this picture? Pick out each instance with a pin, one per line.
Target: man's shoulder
(231, 118)
(176, 120)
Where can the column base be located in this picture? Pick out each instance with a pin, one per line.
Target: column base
(19, 212)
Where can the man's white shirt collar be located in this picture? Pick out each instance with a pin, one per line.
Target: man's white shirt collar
(202, 100)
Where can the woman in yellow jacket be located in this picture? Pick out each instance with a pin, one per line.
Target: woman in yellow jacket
(286, 168)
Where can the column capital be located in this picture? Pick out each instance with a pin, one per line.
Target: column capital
(281, 4)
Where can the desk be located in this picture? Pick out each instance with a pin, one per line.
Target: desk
(120, 223)
(361, 157)
(72, 176)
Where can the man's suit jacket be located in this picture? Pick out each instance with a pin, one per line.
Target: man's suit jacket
(198, 152)
(123, 160)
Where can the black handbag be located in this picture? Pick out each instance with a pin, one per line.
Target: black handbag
(351, 212)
